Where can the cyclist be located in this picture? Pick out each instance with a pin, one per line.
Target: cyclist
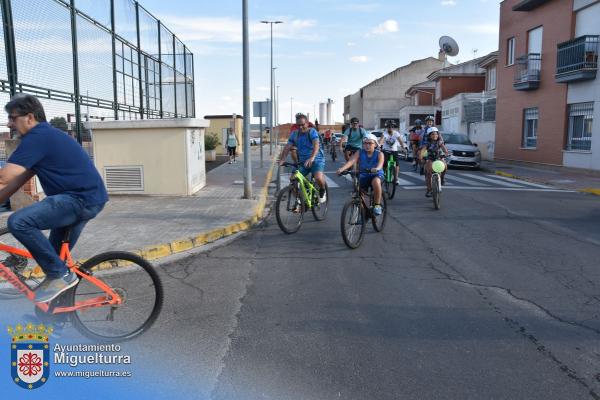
(392, 143)
(74, 189)
(327, 138)
(310, 154)
(436, 150)
(416, 134)
(352, 138)
(295, 127)
(370, 163)
(429, 123)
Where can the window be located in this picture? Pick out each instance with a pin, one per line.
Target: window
(530, 127)
(534, 40)
(581, 116)
(510, 51)
(491, 83)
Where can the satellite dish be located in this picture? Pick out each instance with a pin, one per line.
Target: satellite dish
(448, 46)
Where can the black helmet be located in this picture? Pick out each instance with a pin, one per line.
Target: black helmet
(429, 118)
(300, 115)
(418, 122)
(353, 120)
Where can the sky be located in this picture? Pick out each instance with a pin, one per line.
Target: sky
(324, 49)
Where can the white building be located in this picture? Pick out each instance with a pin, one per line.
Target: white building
(382, 99)
(577, 64)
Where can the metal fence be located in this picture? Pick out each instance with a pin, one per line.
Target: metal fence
(94, 59)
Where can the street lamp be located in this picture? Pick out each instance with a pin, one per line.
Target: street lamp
(246, 96)
(271, 107)
(272, 110)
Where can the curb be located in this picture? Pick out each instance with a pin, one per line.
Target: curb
(158, 251)
(590, 190)
(155, 252)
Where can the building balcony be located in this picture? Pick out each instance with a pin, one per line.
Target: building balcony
(577, 59)
(527, 72)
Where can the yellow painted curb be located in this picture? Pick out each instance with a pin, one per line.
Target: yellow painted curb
(155, 252)
(590, 190)
(507, 175)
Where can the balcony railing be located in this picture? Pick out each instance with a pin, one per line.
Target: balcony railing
(527, 72)
(577, 59)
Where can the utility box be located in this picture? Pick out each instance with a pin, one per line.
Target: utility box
(150, 157)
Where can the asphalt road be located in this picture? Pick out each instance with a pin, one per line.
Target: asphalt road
(495, 296)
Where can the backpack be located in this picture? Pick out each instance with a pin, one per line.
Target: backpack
(414, 136)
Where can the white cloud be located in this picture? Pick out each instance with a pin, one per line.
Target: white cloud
(350, 44)
(448, 2)
(229, 30)
(388, 26)
(359, 59)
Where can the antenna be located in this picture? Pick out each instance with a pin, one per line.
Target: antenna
(475, 53)
(448, 46)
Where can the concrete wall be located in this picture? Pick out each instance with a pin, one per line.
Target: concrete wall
(550, 98)
(387, 94)
(484, 135)
(171, 152)
(587, 23)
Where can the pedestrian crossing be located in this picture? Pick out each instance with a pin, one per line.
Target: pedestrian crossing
(459, 180)
(455, 180)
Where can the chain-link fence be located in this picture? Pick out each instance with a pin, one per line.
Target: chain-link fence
(94, 60)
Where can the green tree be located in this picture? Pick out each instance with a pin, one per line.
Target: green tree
(59, 123)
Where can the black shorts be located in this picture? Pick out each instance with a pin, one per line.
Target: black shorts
(351, 149)
(231, 150)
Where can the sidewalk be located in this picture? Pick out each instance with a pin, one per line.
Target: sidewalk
(160, 226)
(564, 178)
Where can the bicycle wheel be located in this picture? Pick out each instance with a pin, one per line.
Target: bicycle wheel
(319, 210)
(393, 183)
(289, 209)
(435, 190)
(387, 183)
(353, 223)
(378, 221)
(135, 280)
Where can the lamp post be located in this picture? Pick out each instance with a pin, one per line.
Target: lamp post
(271, 106)
(277, 115)
(272, 110)
(246, 95)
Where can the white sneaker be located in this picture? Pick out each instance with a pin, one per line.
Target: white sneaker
(323, 199)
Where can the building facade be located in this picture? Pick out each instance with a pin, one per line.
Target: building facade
(221, 125)
(381, 99)
(547, 85)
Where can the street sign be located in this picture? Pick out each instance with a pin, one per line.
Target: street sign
(261, 109)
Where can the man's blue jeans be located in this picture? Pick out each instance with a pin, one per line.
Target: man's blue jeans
(57, 213)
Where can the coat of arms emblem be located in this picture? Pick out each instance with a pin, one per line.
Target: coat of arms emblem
(30, 355)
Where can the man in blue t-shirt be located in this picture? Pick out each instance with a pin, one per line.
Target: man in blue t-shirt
(74, 189)
(310, 155)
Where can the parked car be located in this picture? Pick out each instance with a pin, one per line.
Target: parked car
(255, 141)
(463, 153)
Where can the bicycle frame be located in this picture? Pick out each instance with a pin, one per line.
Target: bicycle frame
(389, 169)
(112, 299)
(306, 187)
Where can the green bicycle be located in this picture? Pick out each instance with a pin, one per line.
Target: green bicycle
(390, 175)
(297, 198)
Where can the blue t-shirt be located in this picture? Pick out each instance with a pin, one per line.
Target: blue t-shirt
(60, 163)
(367, 163)
(304, 144)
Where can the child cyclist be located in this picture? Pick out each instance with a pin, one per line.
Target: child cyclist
(436, 150)
(370, 162)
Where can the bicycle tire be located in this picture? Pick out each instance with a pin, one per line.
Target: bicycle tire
(379, 221)
(319, 210)
(287, 202)
(351, 207)
(394, 183)
(7, 291)
(128, 266)
(435, 191)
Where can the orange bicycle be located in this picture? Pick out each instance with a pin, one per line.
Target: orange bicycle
(119, 295)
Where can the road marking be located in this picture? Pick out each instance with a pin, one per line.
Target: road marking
(525, 183)
(463, 180)
(330, 182)
(521, 189)
(403, 182)
(492, 180)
